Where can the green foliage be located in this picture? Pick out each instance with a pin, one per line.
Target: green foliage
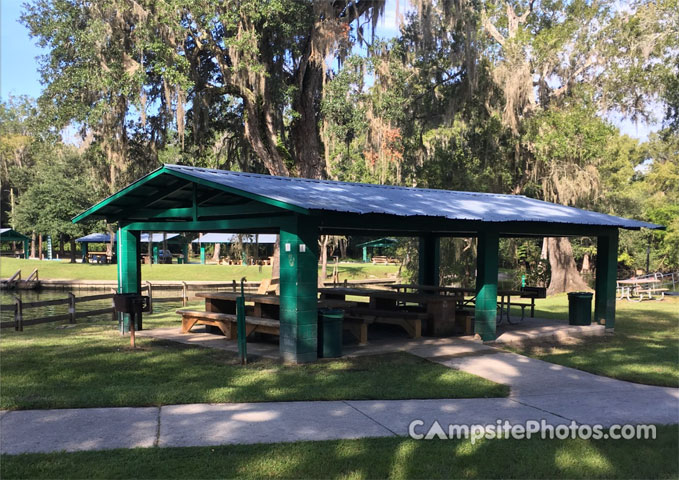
(59, 191)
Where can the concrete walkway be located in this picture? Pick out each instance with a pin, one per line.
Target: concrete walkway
(539, 390)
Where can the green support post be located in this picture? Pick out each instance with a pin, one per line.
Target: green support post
(485, 313)
(299, 291)
(84, 251)
(27, 249)
(429, 260)
(365, 254)
(202, 254)
(185, 252)
(606, 277)
(129, 271)
(155, 254)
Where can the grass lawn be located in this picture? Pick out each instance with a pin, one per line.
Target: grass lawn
(644, 349)
(91, 365)
(369, 458)
(62, 269)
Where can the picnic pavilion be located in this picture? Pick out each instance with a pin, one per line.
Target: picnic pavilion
(378, 243)
(231, 238)
(10, 235)
(181, 198)
(155, 239)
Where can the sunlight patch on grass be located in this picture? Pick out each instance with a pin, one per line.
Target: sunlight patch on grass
(644, 348)
(393, 457)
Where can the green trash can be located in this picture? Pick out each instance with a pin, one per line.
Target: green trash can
(330, 333)
(580, 308)
(180, 260)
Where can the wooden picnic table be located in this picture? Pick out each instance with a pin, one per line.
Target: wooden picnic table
(439, 308)
(460, 292)
(262, 316)
(266, 306)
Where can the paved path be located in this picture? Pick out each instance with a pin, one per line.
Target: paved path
(539, 390)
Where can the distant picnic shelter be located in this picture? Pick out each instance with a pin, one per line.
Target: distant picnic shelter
(385, 242)
(190, 199)
(11, 235)
(231, 238)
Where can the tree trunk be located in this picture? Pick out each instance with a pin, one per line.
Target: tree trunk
(585, 264)
(32, 245)
(262, 139)
(72, 242)
(343, 247)
(276, 260)
(111, 239)
(217, 252)
(304, 131)
(565, 275)
(324, 257)
(39, 247)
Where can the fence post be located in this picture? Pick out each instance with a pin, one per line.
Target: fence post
(184, 296)
(114, 315)
(149, 290)
(18, 315)
(71, 307)
(234, 285)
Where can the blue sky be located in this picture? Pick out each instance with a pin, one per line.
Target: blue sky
(19, 67)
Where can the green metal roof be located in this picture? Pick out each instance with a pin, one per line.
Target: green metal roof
(190, 195)
(10, 235)
(380, 242)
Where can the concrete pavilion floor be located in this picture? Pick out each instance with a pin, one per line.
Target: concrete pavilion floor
(392, 339)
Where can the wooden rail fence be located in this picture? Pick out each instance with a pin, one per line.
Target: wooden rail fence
(184, 288)
(19, 306)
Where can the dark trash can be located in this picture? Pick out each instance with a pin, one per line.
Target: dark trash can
(580, 308)
(330, 333)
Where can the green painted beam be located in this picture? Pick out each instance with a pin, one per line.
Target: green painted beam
(429, 259)
(606, 278)
(253, 225)
(194, 207)
(299, 290)
(129, 270)
(107, 201)
(194, 214)
(377, 225)
(485, 311)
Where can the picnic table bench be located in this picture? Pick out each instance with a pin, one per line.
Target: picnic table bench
(438, 312)
(262, 315)
(638, 287)
(466, 297)
(226, 322)
(98, 257)
(383, 260)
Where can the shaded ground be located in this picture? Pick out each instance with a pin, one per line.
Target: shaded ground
(90, 365)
